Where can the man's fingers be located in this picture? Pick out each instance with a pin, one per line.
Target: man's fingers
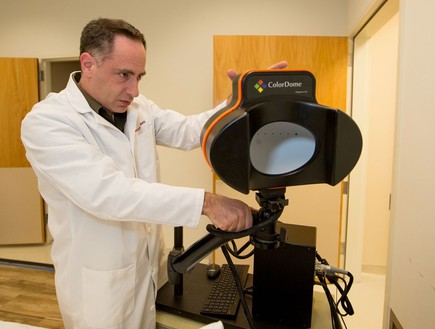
(279, 65)
(231, 74)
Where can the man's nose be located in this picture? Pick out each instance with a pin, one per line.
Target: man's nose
(133, 88)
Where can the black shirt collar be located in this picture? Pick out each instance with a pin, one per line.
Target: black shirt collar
(117, 119)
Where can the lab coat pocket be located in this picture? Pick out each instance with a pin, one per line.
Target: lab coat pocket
(108, 296)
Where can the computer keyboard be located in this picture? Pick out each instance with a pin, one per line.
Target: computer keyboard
(223, 300)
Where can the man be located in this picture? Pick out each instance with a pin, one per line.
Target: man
(93, 149)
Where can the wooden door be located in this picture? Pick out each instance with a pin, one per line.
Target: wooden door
(21, 207)
(326, 57)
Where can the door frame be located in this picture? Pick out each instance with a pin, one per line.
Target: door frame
(355, 206)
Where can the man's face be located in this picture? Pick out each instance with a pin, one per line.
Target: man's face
(114, 81)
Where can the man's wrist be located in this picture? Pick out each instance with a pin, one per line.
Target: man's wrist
(205, 204)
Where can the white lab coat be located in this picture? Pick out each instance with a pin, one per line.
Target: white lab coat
(105, 204)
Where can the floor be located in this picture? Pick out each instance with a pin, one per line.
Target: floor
(366, 296)
(28, 296)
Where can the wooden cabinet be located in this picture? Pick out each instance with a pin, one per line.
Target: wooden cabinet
(21, 206)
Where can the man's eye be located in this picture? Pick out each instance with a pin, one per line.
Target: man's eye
(123, 75)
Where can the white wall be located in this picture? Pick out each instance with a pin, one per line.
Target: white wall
(373, 108)
(410, 289)
(411, 279)
(179, 36)
(382, 70)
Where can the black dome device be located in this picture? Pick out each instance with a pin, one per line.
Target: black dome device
(274, 134)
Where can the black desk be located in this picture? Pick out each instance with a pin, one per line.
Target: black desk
(196, 289)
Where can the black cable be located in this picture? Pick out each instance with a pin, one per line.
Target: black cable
(239, 251)
(323, 272)
(343, 300)
(327, 294)
(236, 252)
(236, 235)
(336, 324)
(239, 287)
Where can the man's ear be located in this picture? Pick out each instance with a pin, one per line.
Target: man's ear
(86, 61)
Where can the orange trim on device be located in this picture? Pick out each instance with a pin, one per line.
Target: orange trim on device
(239, 99)
(222, 115)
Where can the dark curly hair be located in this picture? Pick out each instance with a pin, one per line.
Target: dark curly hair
(98, 35)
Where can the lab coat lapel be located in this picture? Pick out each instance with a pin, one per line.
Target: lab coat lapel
(79, 102)
(75, 96)
(130, 125)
